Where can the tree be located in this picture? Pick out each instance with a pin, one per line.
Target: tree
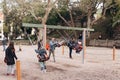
(110, 16)
(31, 6)
(116, 17)
(69, 14)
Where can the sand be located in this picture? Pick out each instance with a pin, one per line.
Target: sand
(98, 65)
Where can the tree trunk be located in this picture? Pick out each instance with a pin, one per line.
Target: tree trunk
(40, 36)
(44, 20)
(89, 23)
(72, 23)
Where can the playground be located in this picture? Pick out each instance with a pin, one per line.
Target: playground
(89, 26)
(98, 65)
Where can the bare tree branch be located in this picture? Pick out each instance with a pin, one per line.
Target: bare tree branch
(71, 17)
(48, 9)
(63, 18)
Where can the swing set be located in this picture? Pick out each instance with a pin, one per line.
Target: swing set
(60, 27)
(55, 27)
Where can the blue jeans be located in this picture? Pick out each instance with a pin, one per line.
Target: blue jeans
(53, 53)
(42, 65)
(4, 47)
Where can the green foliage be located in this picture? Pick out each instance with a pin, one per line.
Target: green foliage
(112, 10)
(65, 14)
(104, 27)
(80, 15)
(53, 18)
(30, 19)
(5, 28)
(116, 18)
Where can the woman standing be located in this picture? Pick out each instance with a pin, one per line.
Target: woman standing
(10, 61)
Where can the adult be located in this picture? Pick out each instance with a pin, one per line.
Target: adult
(10, 57)
(71, 45)
(80, 37)
(4, 43)
(52, 48)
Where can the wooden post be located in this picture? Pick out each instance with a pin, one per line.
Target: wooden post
(20, 47)
(62, 50)
(94, 44)
(106, 42)
(113, 52)
(18, 72)
(85, 51)
(44, 36)
(83, 44)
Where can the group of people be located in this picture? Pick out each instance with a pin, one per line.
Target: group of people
(42, 55)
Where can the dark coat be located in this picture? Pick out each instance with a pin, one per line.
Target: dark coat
(71, 44)
(10, 55)
(42, 55)
(39, 45)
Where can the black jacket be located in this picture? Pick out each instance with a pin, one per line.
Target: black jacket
(10, 55)
(42, 53)
(71, 44)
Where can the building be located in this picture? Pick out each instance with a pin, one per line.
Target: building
(1, 25)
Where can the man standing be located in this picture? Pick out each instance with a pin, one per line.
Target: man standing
(52, 48)
(71, 46)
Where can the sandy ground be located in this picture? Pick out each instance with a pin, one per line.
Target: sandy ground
(98, 65)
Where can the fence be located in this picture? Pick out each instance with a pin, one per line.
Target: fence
(104, 43)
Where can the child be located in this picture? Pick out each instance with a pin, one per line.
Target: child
(42, 57)
(78, 47)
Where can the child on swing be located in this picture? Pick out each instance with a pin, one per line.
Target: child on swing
(42, 58)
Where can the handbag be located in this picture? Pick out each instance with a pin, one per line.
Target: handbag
(5, 60)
